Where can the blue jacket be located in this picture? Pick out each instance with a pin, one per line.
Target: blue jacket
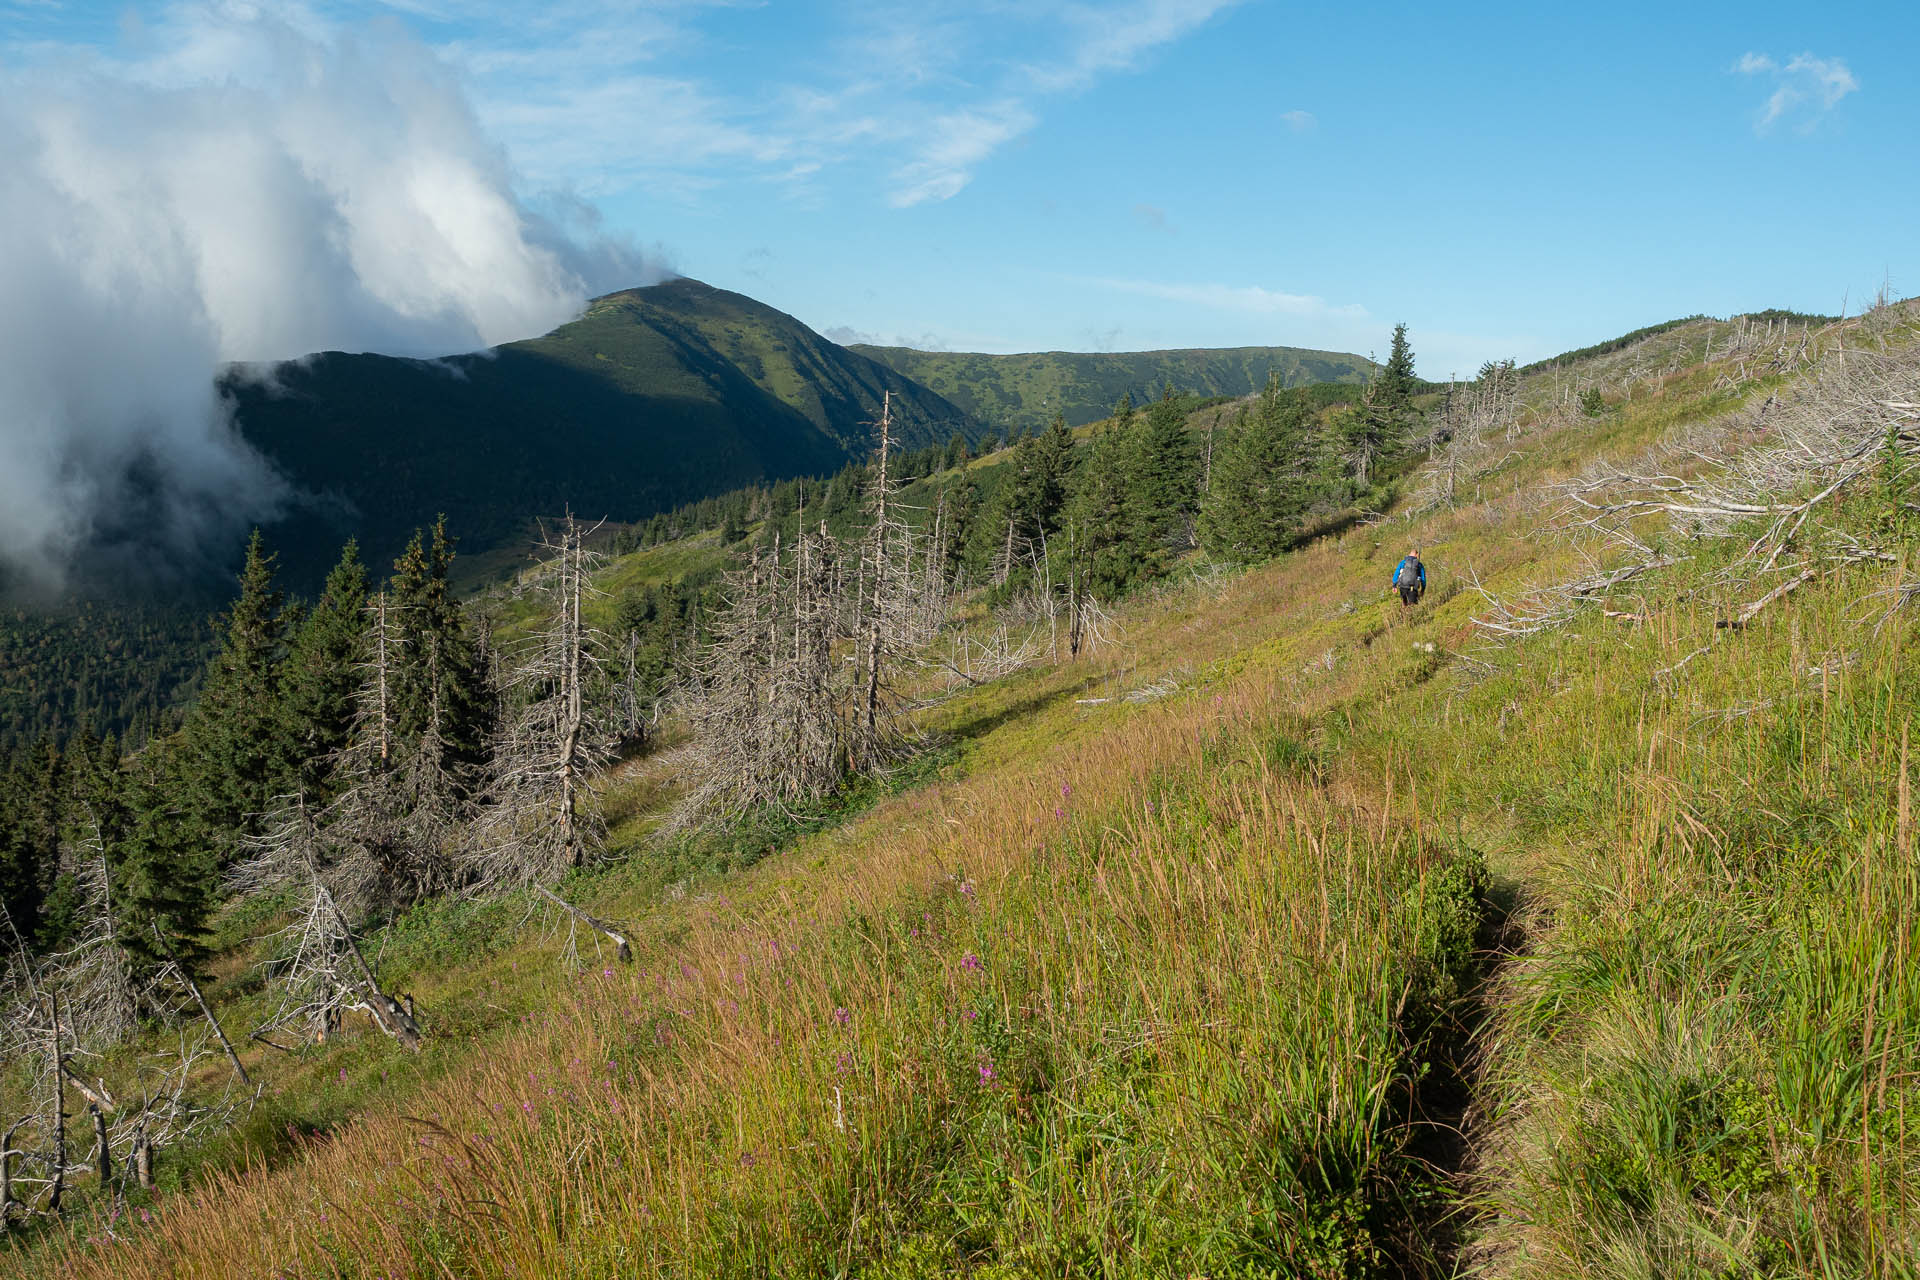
(1420, 565)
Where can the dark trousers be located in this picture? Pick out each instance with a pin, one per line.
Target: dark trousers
(1410, 595)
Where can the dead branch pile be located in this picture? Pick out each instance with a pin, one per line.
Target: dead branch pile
(1769, 477)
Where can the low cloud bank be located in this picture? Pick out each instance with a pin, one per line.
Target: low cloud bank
(242, 188)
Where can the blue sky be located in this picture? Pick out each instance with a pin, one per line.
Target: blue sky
(1507, 179)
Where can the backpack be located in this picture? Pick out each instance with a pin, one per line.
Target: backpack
(1409, 575)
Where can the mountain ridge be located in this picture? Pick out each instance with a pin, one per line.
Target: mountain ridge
(653, 397)
(1021, 392)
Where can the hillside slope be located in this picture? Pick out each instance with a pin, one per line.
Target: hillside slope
(654, 397)
(1525, 932)
(1023, 392)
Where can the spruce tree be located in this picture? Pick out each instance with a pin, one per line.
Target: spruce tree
(322, 673)
(1164, 475)
(1025, 512)
(1263, 478)
(1099, 515)
(29, 842)
(438, 679)
(1396, 383)
(165, 877)
(238, 753)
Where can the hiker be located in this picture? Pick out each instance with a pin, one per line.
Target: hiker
(1411, 577)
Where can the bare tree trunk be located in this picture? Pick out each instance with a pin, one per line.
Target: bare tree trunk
(7, 1153)
(610, 932)
(380, 676)
(187, 979)
(572, 568)
(874, 622)
(1206, 479)
(103, 1150)
(143, 1160)
(59, 1115)
(390, 1014)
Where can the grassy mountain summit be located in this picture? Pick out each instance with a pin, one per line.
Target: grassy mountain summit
(1023, 392)
(654, 397)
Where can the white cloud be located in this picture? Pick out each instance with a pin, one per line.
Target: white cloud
(604, 95)
(1806, 88)
(1251, 299)
(954, 147)
(250, 188)
(1097, 39)
(1112, 37)
(1299, 121)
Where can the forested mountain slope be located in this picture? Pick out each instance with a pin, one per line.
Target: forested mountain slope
(1023, 392)
(655, 397)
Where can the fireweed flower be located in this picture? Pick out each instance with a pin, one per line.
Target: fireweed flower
(971, 961)
(842, 1017)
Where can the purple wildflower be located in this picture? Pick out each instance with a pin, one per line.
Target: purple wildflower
(971, 961)
(842, 1017)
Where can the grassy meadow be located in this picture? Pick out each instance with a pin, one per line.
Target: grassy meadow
(1291, 933)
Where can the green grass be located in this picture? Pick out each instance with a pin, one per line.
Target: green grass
(1203, 983)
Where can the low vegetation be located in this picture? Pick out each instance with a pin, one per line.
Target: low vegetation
(1557, 925)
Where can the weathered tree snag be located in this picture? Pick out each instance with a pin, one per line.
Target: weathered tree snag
(187, 981)
(59, 1114)
(7, 1152)
(601, 927)
(143, 1159)
(102, 1147)
(389, 1014)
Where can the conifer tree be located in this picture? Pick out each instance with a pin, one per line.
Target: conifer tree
(166, 875)
(238, 751)
(438, 675)
(1263, 478)
(1396, 383)
(1099, 514)
(323, 671)
(29, 842)
(1026, 509)
(1164, 475)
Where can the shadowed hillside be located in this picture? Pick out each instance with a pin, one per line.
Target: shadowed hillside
(654, 397)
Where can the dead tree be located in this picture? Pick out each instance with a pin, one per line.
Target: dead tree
(794, 695)
(879, 569)
(317, 966)
(103, 999)
(1855, 421)
(771, 707)
(534, 824)
(398, 803)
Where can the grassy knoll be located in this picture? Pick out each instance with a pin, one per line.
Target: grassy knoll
(1132, 982)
